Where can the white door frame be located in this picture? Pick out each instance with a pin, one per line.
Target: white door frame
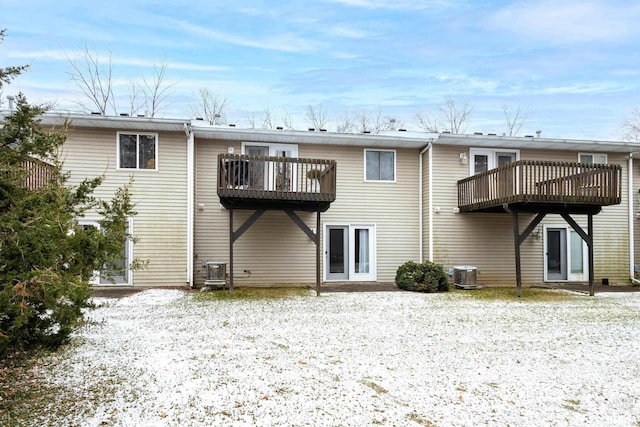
(371, 276)
(571, 276)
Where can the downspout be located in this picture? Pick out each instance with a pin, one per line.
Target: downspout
(421, 204)
(631, 220)
(190, 200)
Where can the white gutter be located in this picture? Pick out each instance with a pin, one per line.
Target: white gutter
(421, 203)
(631, 223)
(190, 200)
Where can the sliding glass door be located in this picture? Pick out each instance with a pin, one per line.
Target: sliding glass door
(350, 252)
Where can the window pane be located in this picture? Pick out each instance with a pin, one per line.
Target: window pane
(576, 253)
(336, 250)
(586, 158)
(380, 165)
(128, 151)
(600, 158)
(361, 250)
(373, 165)
(387, 165)
(147, 152)
(480, 163)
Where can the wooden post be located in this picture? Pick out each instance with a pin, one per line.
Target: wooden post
(592, 290)
(231, 239)
(516, 239)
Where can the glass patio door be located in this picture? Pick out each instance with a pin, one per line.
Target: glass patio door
(566, 255)
(350, 252)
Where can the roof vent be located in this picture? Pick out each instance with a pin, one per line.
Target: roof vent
(366, 131)
(199, 118)
(96, 113)
(312, 129)
(492, 134)
(528, 136)
(402, 130)
(445, 131)
(124, 114)
(140, 115)
(278, 127)
(538, 132)
(232, 125)
(322, 130)
(477, 133)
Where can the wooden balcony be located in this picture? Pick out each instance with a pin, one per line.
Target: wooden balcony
(264, 182)
(538, 186)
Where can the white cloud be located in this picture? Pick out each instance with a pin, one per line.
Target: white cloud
(74, 55)
(569, 21)
(397, 4)
(286, 42)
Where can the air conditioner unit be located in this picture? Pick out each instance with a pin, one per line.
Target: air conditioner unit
(465, 277)
(216, 274)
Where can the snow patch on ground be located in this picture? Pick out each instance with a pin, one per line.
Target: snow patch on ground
(162, 358)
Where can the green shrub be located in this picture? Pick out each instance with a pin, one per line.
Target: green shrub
(425, 277)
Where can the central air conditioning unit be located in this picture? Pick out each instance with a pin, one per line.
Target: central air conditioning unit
(465, 277)
(216, 274)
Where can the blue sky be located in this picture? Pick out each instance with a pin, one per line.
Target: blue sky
(574, 66)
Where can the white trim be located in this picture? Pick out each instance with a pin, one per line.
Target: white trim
(491, 154)
(137, 168)
(273, 147)
(431, 254)
(373, 252)
(190, 205)
(395, 169)
(421, 201)
(571, 277)
(606, 157)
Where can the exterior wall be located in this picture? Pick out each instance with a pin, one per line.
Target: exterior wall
(486, 240)
(276, 251)
(160, 197)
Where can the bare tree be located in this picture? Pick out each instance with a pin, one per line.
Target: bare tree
(631, 127)
(95, 80)
(156, 91)
(135, 98)
(209, 106)
(317, 116)
(448, 118)
(345, 123)
(374, 122)
(287, 121)
(268, 119)
(515, 119)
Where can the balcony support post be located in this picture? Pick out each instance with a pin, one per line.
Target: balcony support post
(518, 239)
(315, 238)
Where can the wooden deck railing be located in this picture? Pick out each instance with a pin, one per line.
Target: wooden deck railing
(276, 178)
(37, 173)
(530, 181)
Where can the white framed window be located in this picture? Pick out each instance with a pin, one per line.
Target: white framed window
(591, 158)
(137, 151)
(379, 165)
(120, 273)
(484, 159)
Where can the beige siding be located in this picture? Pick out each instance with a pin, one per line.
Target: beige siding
(160, 198)
(486, 240)
(276, 251)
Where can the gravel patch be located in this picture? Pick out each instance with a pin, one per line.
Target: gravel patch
(163, 358)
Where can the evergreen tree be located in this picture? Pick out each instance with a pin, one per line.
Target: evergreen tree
(46, 258)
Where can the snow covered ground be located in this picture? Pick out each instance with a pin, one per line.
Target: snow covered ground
(162, 358)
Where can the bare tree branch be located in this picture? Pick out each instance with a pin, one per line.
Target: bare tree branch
(268, 119)
(95, 80)
(449, 118)
(209, 106)
(317, 116)
(515, 119)
(134, 98)
(631, 127)
(345, 123)
(287, 121)
(156, 91)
